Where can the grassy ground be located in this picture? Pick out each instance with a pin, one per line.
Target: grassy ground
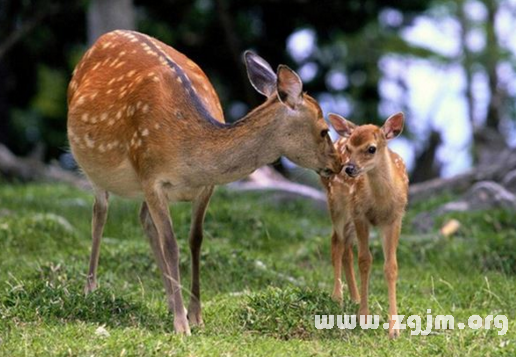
(265, 274)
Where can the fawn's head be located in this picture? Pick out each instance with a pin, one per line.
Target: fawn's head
(304, 133)
(366, 144)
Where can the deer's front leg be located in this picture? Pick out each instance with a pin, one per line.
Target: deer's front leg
(199, 206)
(365, 260)
(100, 210)
(391, 235)
(158, 209)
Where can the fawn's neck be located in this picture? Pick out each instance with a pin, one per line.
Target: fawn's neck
(233, 152)
(380, 178)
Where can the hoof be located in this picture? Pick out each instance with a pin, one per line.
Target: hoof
(181, 326)
(394, 333)
(337, 297)
(90, 287)
(195, 319)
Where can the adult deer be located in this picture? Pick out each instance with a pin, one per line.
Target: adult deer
(371, 190)
(145, 122)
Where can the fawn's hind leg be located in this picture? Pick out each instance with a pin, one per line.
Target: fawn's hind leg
(391, 235)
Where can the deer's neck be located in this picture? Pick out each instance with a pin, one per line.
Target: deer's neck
(234, 151)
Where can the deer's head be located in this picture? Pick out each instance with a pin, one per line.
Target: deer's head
(303, 132)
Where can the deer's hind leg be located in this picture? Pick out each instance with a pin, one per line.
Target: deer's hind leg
(199, 206)
(99, 217)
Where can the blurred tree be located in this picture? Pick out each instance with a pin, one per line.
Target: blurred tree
(109, 15)
(350, 40)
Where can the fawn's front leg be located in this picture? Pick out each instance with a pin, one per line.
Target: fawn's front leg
(199, 206)
(365, 260)
(100, 210)
(347, 260)
(391, 235)
(158, 209)
(337, 251)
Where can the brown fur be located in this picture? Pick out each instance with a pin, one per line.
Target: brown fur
(145, 122)
(377, 197)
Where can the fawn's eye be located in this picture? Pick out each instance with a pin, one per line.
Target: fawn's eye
(324, 133)
(371, 149)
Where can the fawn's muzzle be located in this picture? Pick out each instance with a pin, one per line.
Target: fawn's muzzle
(351, 170)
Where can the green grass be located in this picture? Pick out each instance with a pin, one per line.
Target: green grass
(265, 273)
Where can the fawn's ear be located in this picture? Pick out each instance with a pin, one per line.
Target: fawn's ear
(290, 87)
(342, 126)
(393, 126)
(260, 74)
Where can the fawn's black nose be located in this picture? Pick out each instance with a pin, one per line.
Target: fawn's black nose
(350, 169)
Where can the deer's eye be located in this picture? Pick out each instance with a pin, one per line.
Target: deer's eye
(371, 149)
(324, 133)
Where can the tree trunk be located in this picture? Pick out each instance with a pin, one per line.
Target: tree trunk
(109, 15)
(492, 53)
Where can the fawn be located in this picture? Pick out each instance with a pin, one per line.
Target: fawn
(371, 190)
(145, 122)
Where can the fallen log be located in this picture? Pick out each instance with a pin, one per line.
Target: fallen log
(495, 172)
(26, 169)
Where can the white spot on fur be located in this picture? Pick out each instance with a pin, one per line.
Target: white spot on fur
(89, 142)
(145, 132)
(145, 108)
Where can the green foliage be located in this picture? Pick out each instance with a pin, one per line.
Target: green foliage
(288, 313)
(265, 273)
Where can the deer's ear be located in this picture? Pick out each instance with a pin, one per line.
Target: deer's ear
(342, 126)
(260, 74)
(290, 87)
(393, 126)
